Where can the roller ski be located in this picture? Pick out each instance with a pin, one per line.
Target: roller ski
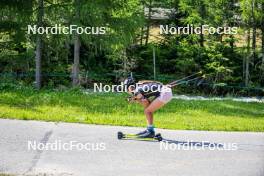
(143, 136)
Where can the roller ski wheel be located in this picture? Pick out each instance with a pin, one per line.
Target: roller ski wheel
(120, 135)
(158, 137)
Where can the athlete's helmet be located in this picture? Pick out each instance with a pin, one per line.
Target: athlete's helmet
(129, 81)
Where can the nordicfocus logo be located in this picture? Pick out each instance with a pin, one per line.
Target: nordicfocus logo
(71, 29)
(58, 145)
(204, 29)
(191, 145)
(122, 88)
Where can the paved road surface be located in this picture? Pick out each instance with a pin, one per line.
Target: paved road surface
(235, 154)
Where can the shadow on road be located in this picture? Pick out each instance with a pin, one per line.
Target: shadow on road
(184, 143)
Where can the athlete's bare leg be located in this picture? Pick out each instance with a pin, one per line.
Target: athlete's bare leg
(151, 108)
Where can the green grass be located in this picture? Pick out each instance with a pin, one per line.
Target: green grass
(112, 109)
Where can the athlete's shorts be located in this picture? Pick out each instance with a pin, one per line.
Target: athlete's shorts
(165, 94)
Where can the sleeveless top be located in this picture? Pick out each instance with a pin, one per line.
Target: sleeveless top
(149, 89)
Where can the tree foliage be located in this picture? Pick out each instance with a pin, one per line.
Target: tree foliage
(229, 59)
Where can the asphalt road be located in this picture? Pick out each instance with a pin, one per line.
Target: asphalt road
(95, 151)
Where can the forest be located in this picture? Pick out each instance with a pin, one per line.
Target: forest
(125, 37)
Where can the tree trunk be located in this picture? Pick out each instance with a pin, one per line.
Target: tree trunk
(201, 39)
(141, 36)
(262, 32)
(75, 68)
(244, 65)
(254, 33)
(39, 45)
(262, 44)
(149, 21)
(202, 12)
(231, 43)
(247, 59)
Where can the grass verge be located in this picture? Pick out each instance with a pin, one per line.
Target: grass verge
(112, 109)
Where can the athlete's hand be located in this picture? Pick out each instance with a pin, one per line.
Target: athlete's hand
(139, 96)
(168, 85)
(131, 99)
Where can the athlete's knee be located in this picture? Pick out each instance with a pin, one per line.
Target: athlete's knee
(147, 111)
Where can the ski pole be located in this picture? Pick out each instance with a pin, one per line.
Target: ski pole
(183, 82)
(185, 78)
